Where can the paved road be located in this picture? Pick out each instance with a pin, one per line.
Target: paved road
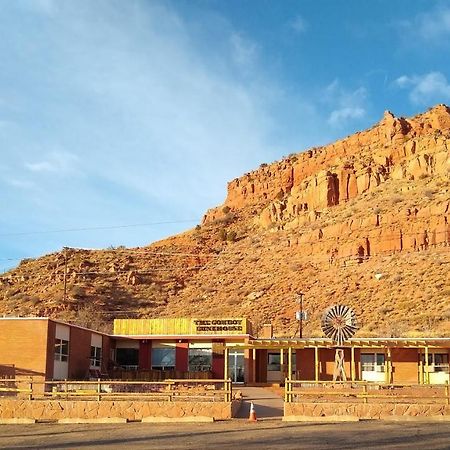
(237, 434)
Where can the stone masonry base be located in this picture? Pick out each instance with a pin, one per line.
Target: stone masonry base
(129, 410)
(366, 410)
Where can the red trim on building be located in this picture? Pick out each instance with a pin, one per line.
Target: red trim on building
(50, 361)
(145, 349)
(181, 356)
(218, 362)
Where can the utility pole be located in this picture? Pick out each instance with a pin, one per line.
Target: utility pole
(65, 274)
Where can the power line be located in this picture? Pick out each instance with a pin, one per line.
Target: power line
(112, 227)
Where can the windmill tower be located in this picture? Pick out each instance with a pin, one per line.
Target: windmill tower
(339, 324)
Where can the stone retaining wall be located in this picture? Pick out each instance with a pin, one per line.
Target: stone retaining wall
(126, 409)
(366, 410)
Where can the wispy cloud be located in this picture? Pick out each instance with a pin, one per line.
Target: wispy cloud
(20, 183)
(340, 116)
(123, 94)
(57, 161)
(244, 51)
(298, 25)
(432, 26)
(431, 87)
(347, 104)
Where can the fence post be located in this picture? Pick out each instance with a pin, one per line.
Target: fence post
(228, 390)
(30, 395)
(365, 393)
(447, 393)
(99, 389)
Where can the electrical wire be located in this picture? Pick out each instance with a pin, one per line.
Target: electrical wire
(112, 227)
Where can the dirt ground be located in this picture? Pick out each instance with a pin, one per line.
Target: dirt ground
(236, 434)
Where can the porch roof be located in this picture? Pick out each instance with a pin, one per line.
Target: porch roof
(294, 343)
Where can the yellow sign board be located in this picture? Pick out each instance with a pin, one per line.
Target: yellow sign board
(181, 326)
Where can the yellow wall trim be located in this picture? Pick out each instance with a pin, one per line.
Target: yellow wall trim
(181, 326)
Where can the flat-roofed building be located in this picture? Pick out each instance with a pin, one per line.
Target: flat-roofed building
(50, 349)
(155, 349)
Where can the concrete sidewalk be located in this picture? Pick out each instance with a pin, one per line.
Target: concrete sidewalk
(268, 405)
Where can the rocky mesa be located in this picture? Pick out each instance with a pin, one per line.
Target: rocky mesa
(363, 221)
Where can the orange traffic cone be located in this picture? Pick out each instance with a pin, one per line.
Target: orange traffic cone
(252, 416)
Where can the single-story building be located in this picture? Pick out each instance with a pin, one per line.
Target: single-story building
(209, 348)
(49, 349)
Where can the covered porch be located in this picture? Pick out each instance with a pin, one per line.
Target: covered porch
(379, 360)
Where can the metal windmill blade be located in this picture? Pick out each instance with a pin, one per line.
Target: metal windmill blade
(339, 323)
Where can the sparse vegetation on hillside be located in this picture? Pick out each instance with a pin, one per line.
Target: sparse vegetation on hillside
(385, 252)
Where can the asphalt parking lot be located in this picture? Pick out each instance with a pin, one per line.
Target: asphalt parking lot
(236, 434)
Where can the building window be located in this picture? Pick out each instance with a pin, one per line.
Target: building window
(438, 362)
(61, 350)
(96, 356)
(128, 358)
(274, 362)
(163, 358)
(200, 359)
(372, 362)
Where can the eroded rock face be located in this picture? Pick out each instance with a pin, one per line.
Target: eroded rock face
(322, 177)
(293, 192)
(323, 221)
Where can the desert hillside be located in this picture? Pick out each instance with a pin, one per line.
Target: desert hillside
(363, 221)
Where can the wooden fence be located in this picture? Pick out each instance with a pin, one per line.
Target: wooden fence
(158, 375)
(168, 390)
(364, 392)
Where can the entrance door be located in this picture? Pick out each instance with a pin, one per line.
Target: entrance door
(236, 366)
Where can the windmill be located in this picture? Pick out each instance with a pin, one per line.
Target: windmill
(339, 323)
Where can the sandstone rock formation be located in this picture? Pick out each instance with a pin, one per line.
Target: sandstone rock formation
(324, 221)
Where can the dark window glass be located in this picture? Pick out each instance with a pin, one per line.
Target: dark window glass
(127, 357)
(96, 356)
(273, 362)
(61, 350)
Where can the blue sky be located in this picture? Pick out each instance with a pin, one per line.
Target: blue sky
(138, 112)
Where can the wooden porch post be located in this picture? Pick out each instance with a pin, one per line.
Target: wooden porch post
(282, 365)
(254, 365)
(316, 363)
(289, 375)
(352, 367)
(427, 373)
(225, 365)
(420, 367)
(389, 366)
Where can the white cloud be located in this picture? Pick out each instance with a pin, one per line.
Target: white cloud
(153, 114)
(57, 161)
(432, 87)
(434, 25)
(244, 52)
(298, 25)
(340, 116)
(347, 105)
(20, 183)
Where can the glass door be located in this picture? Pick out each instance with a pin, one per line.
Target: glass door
(236, 366)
